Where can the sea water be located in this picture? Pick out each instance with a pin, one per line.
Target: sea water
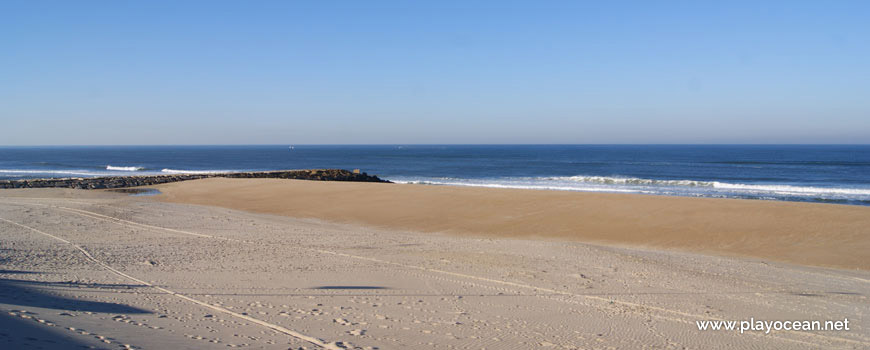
(815, 173)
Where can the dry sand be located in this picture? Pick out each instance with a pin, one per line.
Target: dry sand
(802, 233)
(106, 270)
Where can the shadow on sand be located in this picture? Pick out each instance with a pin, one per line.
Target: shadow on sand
(19, 328)
(23, 293)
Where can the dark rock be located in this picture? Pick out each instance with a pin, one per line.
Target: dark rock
(145, 180)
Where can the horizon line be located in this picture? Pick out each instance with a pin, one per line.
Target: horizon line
(440, 144)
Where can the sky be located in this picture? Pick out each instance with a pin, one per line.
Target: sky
(443, 72)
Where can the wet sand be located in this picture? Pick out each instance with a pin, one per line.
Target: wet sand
(801, 233)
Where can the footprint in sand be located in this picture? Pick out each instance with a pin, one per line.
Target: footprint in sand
(357, 332)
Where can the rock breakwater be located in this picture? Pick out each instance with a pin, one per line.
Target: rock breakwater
(147, 180)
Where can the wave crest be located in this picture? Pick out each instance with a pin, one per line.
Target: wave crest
(793, 190)
(607, 180)
(124, 168)
(587, 183)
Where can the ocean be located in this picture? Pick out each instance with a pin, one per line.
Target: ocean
(814, 173)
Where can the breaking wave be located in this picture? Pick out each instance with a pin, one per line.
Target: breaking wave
(124, 168)
(698, 188)
(794, 190)
(782, 189)
(607, 180)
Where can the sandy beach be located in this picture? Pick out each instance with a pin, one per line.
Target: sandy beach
(438, 175)
(287, 264)
(802, 233)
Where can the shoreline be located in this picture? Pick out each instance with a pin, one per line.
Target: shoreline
(132, 181)
(812, 234)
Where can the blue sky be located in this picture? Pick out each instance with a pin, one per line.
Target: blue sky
(294, 72)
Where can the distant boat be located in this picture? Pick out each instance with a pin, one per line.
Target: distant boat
(292, 148)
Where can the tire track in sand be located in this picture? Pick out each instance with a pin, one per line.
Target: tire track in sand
(292, 333)
(676, 315)
(681, 316)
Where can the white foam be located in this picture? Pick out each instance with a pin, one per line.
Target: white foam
(585, 183)
(616, 180)
(124, 168)
(793, 190)
(777, 189)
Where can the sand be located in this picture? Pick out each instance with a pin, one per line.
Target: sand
(107, 270)
(802, 233)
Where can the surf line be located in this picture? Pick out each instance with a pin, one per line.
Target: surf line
(290, 332)
(604, 300)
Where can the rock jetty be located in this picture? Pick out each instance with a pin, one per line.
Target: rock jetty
(147, 180)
